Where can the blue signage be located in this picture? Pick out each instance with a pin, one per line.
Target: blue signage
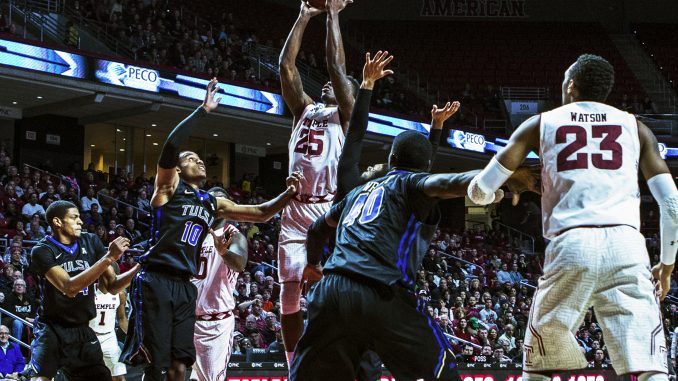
(42, 59)
(391, 126)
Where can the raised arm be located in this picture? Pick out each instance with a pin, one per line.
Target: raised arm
(167, 178)
(71, 286)
(120, 312)
(336, 61)
(663, 189)
(348, 170)
(232, 248)
(290, 80)
(229, 210)
(438, 118)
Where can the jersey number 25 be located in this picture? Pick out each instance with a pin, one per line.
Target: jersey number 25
(310, 142)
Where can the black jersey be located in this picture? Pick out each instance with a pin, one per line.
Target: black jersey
(384, 229)
(53, 305)
(179, 227)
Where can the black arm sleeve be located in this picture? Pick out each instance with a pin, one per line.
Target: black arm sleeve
(348, 171)
(434, 138)
(169, 157)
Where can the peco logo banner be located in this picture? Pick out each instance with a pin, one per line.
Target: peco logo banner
(467, 140)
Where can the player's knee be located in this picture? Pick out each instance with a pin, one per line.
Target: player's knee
(290, 294)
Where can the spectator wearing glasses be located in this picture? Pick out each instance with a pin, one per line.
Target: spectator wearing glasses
(11, 359)
(20, 304)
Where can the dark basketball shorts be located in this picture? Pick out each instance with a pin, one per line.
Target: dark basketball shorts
(75, 350)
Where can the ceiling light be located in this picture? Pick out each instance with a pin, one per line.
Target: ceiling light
(215, 135)
(124, 139)
(268, 144)
(153, 125)
(155, 144)
(148, 135)
(118, 130)
(122, 150)
(15, 102)
(92, 145)
(39, 97)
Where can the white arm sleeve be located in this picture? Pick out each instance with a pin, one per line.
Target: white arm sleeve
(663, 189)
(482, 188)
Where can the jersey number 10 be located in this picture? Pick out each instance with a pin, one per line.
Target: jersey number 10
(191, 233)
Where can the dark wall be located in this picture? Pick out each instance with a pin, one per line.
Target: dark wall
(52, 157)
(273, 180)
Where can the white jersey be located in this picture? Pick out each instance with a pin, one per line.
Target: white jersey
(315, 147)
(215, 281)
(590, 153)
(107, 308)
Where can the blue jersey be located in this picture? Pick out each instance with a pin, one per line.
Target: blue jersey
(179, 228)
(384, 229)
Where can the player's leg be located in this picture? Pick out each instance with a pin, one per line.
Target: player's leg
(213, 341)
(184, 295)
(291, 262)
(111, 350)
(331, 346)
(83, 357)
(626, 307)
(45, 358)
(562, 298)
(409, 341)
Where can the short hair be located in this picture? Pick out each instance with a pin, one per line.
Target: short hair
(183, 154)
(58, 209)
(411, 150)
(594, 77)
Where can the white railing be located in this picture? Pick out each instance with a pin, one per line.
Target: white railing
(533, 93)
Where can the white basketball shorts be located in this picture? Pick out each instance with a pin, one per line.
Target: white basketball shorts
(213, 342)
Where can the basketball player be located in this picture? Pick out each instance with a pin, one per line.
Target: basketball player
(66, 264)
(223, 257)
(109, 309)
(367, 299)
(348, 171)
(314, 149)
(591, 153)
(163, 298)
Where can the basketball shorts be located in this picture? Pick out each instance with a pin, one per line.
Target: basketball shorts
(297, 217)
(161, 323)
(607, 269)
(74, 350)
(111, 350)
(347, 316)
(214, 344)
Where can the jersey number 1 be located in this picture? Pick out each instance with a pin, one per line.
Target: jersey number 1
(581, 160)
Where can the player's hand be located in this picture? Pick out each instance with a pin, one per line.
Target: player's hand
(336, 6)
(662, 274)
(311, 275)
(440, 115)
(293, 182)
(211, 104)
(118, 247)
(524, 179)
(309, 11)
(222, 242)
(374, 68)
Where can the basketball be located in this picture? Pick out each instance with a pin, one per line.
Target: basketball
(320, 4)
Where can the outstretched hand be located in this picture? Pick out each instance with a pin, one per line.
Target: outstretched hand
(308, 10)
(118, 247)
(211, 104)
(440, 115)
(524, 179)
(311, 275)
(221, 242)
(374, 68)
(337, 6)
(293, 182)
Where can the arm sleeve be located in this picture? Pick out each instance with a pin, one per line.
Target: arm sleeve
(169, 157)
(348, 171)
(434, 138)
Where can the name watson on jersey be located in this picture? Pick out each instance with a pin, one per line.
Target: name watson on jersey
(198, 211)
(579, 117)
